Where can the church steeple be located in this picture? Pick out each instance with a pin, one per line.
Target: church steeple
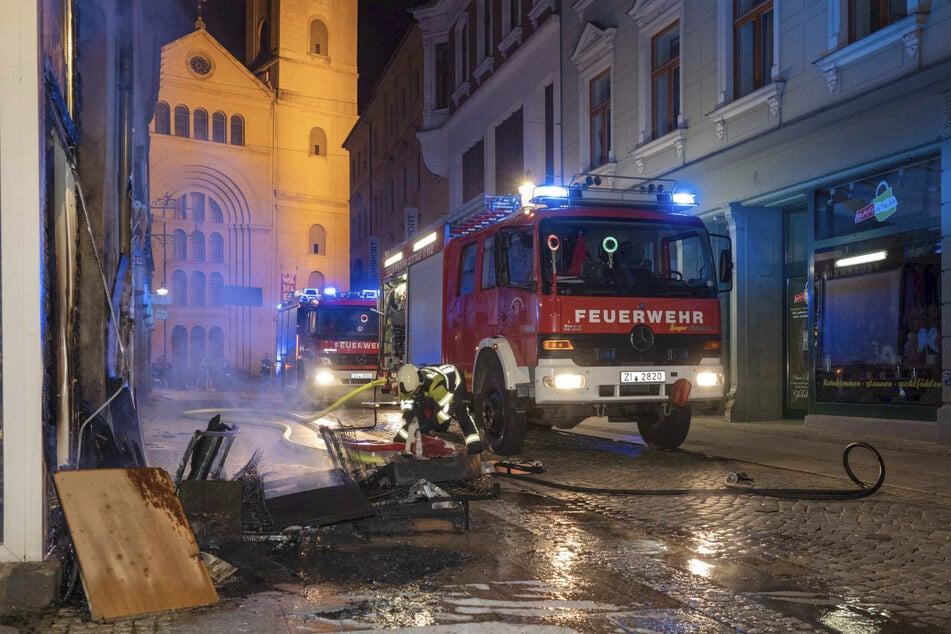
(200, 23)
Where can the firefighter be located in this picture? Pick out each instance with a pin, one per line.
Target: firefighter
(429, 398)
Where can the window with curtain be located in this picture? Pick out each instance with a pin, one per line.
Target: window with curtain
(600, 117)
(752, 45)
(665, 80)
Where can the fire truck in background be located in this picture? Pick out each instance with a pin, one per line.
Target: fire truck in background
(596, 299)
(327, 344)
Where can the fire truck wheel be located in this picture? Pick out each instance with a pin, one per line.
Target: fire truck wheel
(665, 432)
(502, 428)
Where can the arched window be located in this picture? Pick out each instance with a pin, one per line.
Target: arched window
(216, 215)
(179, 348)
(200, 124)
(264, 38)
(162, 118)
(216, 344)
(178, 245)
(181, 121)
(216, 245)
(181, 207)
(216, 287)
(316, 280)
(237, 130)
(218, 127)
(196, 205)
(318, 38)
(197, 346)
(318, 240)
(318, 142)
(179, 288)
(198, 289)
(198, 247)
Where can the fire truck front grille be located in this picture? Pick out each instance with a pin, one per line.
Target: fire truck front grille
(602, 350)
(354, 361)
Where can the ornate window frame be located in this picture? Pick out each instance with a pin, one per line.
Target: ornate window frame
(592, 56)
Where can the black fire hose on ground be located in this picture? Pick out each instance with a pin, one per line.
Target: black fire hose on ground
(738, 483)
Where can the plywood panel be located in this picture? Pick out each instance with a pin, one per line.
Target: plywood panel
(137, 553)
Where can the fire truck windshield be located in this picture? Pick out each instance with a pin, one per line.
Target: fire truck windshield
(626, 258)
(339, 322)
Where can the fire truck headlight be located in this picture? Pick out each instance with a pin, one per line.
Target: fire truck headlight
(707, 379)
(564, 381)
(324, 377)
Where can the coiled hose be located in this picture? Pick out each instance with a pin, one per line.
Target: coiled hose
(739, 483)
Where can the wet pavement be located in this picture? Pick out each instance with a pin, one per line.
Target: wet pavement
(628, 540)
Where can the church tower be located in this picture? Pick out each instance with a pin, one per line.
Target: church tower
(306, 52)
(250, 179)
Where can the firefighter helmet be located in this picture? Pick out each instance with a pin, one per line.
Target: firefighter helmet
(408, 376)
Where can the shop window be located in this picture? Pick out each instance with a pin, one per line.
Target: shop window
(162, 118)
(905, 197)
(878, 321)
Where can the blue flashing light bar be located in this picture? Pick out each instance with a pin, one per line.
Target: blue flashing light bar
(684, 198)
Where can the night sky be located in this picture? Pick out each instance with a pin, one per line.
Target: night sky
(382, 25)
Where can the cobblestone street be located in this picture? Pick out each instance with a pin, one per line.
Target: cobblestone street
(627, 539)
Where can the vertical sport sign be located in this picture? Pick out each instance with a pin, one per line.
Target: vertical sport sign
(374, 260)
(410, 221)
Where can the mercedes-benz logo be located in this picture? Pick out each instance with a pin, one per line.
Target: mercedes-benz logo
(642, 338)
(361, 360)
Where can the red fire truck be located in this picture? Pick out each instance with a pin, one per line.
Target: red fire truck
(596, 299)
(327, 344)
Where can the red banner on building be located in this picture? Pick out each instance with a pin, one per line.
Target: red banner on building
(288, 286)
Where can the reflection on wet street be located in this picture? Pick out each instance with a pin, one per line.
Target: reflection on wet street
(582, 559)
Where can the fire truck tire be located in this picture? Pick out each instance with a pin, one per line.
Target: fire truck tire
(665, 432)
(502, 428)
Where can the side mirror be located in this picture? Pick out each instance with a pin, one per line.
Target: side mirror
(726, 266)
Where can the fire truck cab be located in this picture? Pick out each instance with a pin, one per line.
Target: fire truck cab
(596, 299)
(327, 345)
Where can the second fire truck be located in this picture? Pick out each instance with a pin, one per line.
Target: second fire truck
(596, 299)
(327, 344)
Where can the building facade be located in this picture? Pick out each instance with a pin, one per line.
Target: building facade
(491, 102)
(815, 137)
(393, 194)
(252, 181)
(79, 88)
